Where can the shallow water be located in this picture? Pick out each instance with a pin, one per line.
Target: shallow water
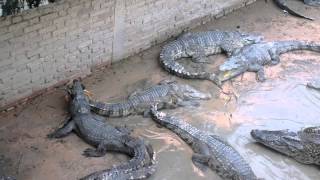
(282, 102)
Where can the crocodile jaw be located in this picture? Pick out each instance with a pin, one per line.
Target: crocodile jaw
(227, 72)
(277, 140)
(190, 93)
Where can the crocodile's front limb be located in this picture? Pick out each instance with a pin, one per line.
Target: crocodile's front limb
(197, 54)
(259, 70)
(65, 130)
(274, 56)
(103, 147)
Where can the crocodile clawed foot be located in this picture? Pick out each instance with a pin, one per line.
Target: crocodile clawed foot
(90, 152)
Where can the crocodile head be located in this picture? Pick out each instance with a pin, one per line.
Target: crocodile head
(283, 141)
(250, 38)
(187, 92)
(79, 101)
(290, 144)
(231, 68)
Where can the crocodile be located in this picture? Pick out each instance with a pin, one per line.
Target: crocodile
(303, 146)
(209, 149)
(169, 94)
(282, 4)
(96, 132)
(198, 46)
(254, 57)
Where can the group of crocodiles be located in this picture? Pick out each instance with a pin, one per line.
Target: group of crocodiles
(246, 52)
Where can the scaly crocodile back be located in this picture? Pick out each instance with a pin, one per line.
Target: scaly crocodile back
(131, 105)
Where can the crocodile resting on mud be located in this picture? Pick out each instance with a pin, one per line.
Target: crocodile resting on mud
(95, 131)
(282, 4)
(209, 150)
(198, 45)
(254, 57)
(169, 94)
(303, 146)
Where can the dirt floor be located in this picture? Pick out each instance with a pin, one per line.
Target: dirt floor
(282, 102)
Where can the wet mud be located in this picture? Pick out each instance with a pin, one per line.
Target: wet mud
(282, 102)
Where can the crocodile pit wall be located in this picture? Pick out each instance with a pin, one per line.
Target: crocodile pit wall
(44, 47)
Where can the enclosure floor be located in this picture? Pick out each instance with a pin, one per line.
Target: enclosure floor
(279, 103)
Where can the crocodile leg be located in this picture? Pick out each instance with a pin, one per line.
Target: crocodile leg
(259, 70)
(103, 147)
(201, 156)
(124, 129)
(65, 130)
(275, 59)
(198, 55)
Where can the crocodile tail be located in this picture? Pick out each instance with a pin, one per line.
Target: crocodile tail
(282, 5)
(286, 46)
(168, 56)
(141, 166)
(111, 109)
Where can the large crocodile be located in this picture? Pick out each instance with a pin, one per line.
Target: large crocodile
(95, 131)
(169, 94)
(282, 4)
(198, 45)
(254, 57)
(209, 149)
(303, 146)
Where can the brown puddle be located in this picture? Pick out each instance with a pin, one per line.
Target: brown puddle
(282, 102)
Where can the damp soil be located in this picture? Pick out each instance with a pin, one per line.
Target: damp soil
(282, 102)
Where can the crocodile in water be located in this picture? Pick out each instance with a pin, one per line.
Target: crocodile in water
(254, 57)
(209, 150)
(169, 94)
(95, 131)
(303, 146)
(198, 45)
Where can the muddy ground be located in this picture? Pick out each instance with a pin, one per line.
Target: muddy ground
(281, 102)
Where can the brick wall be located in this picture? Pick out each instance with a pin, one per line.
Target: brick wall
(41, 47)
